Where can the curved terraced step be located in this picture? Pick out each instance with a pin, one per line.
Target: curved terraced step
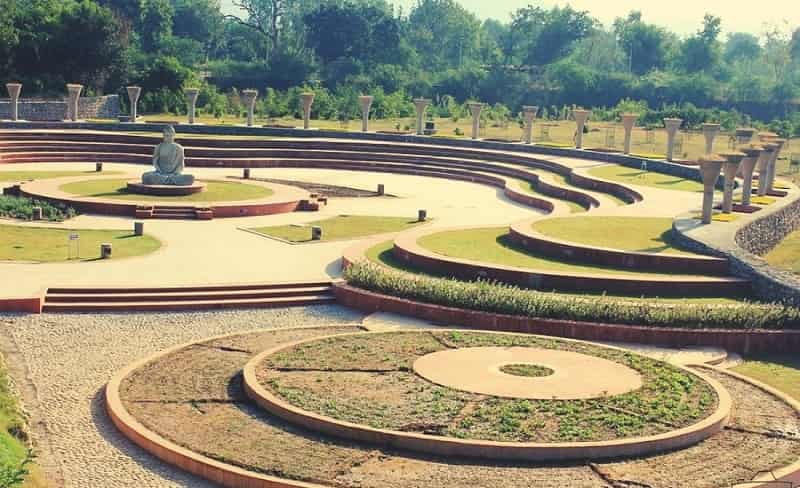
(60, 300)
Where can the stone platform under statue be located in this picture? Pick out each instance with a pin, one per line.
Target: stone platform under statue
(167, 178)
(166, 190)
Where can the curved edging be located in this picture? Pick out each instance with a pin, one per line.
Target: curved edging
(408, 250)
(523, 234)
(504, 451)
(739, 341)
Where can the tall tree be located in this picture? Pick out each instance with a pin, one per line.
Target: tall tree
(742, 46)
(645, 44)
(700, 52)
(155, 24)
(444, 33)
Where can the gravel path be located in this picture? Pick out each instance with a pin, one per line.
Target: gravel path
(62, 362)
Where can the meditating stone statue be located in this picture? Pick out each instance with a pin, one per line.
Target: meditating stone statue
(168, 163)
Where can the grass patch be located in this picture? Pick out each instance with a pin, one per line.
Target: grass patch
(778, 371)
(786, 255)
(529, 187)
(15, 457)
(42, 244)
(216, 191)
(526, 370)
(638, 234)
(340, 227)
(499, 298)
(45, 175)
(22, 208)
(493, 245)
(632, 176)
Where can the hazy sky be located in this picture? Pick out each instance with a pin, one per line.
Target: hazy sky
(681, 16)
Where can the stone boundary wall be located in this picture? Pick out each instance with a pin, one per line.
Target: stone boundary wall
(105, 107)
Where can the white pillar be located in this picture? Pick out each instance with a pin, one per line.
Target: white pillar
(475, 109)
(710, 167)
(249, 98)
(729, 169)
(14, 89)
(763, 165)
(191, 103)
(74, 91)
(710, 132)
(628, 121)
(308, 99)
(747, 166)
(420, 104)
(529, 113)
(133, 95)
(581, 116)
(366, 104)
(672, 126)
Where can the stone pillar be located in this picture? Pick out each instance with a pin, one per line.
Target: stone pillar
(744, 135)
(529, 113)
(14, 90)
(74, 91)
(752, 152)
(308, 99)
(763, 164)
(729, 169)
(581, 116)
(249, 99)
(366, 105)
(421, 104)
(628, 121)
(191, 102)
(475, 109)
(710, 132)
(773, 164)
(672, 126)
(710, 167)
(133, 95)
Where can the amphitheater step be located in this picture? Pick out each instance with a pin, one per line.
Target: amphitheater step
(59, 300)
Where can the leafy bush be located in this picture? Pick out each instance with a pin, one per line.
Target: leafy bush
(22, 208)
(487, 296)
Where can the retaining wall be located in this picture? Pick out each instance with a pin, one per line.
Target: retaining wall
(105, 107)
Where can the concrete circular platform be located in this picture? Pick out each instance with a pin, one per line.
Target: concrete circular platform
(576, 376)
(166, 190)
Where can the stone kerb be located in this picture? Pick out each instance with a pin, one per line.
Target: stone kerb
(672, 126)
(191, 103)
(134, 92)
(529, 114)
(420, 104)
(365, 101)
(628, 122)
(74, 91)
(307, 99)
(581, 116)
(729, 168)
(475, 109)
(249, 97)
(710, 167)
(710, 132)
(14, 90)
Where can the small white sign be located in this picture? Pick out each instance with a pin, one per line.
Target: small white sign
(74, 237)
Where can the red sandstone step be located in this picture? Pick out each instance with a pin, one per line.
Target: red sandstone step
(185, 296)
(194, 305)
(187, 289)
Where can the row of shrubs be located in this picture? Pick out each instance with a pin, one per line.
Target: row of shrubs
(22, 208)
(486, 296)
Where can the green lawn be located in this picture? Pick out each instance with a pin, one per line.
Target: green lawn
(529, 187)
(44, 175)
(382, 254)
(340, 227)
(52, 245)
(216, 191)
(786, 255)
(13, 448)
(493, 246)
(779, 372)
(639, 234)
(624, 174)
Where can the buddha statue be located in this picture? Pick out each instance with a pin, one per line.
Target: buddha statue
(168, 163)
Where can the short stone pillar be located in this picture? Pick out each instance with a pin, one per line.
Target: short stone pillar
(420, 104)
(246, 173)
(134, 92)
(763, 165)
(14, 89)
(36, 213)
(191, 102)
(773, 164)
(74, 91)
(672, 126)
(381, 189)
(249, 98)
(98, 167)
(422, 215)
(475, 108)
(366, 104)
(729, 169)
(307, 99)
(581, 116)
(744, 135)
(710, 132)
(316, 233)
(628, 121)
(746, 168)
(710, 167)
(105, 251)
(529, 114)
(138, 229)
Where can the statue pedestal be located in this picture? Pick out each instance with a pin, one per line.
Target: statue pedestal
(165, 190)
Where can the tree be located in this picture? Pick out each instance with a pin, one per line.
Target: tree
(200, 20)
(265, 17)
(443, 33)
(9, 35)
(155, 24)
(700, 52)
(742, 46)
(794, 47)
(544, 36)
(645, 44)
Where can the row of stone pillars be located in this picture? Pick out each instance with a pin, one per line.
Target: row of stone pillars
(73, 90)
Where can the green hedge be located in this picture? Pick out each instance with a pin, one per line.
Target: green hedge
(22, 208)
(486, 296)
